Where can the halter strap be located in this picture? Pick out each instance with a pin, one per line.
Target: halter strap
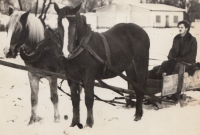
(107, 51)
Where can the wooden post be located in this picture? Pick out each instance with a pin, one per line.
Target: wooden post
(20, 5)
(163, 76)
(36, 8)
(180, 78)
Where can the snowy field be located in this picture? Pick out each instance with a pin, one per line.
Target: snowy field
(15, 103)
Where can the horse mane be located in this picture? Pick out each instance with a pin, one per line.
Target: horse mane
(83, 21)
(35, 26)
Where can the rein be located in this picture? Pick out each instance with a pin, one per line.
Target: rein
(107, 50)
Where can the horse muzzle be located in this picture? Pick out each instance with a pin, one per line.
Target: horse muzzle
(9, 52)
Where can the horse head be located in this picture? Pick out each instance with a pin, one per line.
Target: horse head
(75, 24)
(24, 30)
(16, 33)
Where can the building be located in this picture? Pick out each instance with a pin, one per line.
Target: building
(144, 15)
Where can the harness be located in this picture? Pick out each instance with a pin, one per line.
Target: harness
(107, 50)
(43, 44)
(84, 45)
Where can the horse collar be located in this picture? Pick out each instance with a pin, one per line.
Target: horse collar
(80, 48)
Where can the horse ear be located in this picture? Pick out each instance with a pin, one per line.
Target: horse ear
(11, 10)
(77, 8)
(84, 19)
(56, 7)
(25, 15)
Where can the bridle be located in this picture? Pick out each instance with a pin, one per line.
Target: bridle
(42, 45)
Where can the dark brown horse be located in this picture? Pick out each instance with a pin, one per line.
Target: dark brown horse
(129, 51)
(25, 34)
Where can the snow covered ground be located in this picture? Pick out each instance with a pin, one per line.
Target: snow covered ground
(15, 106)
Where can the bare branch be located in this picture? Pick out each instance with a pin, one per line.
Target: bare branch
(47, 9)
(43, 7)
(36, 8)
(20, 5)
(42, 12)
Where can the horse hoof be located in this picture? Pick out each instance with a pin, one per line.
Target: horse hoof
(137, 118)
(57, 119)
(88, 125)
(80, 126)
(75, 122)
(34, 119)
(73, 125)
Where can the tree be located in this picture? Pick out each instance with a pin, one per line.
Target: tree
(194, 12)
(89, 5)
(33, 5)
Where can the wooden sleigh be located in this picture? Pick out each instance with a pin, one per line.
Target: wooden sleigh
(175, 84)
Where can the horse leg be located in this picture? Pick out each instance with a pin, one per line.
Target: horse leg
(75, 96)
(130, 72)
(141, 69)
(89, 96)
(34, 84)
(54, 97)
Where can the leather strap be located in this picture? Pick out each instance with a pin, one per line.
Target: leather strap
(107, 48)
(81, 47)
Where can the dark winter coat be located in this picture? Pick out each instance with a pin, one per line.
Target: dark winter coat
(184, 49)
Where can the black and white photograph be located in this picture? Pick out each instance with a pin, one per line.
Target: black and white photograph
(99, 67)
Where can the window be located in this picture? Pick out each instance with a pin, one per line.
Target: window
(175, 19)
(158, 19)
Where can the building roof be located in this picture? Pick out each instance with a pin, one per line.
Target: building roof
(158, 7)
(126, 1)
(152, 7)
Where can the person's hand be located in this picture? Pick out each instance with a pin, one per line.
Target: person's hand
(171, 58)
(178, 59)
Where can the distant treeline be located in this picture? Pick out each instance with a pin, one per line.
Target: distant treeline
(192, 6)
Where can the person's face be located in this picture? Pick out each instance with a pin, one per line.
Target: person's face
(182, 29)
